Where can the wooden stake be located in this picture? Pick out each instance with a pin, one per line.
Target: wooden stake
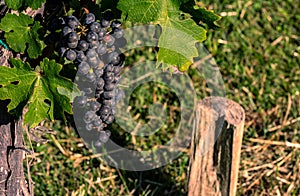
(216, 147)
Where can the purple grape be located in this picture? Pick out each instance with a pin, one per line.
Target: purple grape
(81, 101)
(83, 45)
(109, 119)
(66, 30)
(90, 18)
(109, 86)
(91, 53)
(72, 22)
(90, 76)
(83, 68)
(89, 116)
(114, 58)
(108, 94)
(72, 45)
(104, 23)
(101, 34)
(72, 37)
(109, 68)
(81, 56)
(101, 49)
(70, 55)
(109, 40)
(116, 24)
(99, 72)
(94, 106)
(95, 27)
(89, 126)
(104, 136)
(100, 83)
(118, 33)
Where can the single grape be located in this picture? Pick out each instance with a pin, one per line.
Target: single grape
(109, 78)
(81, 56)
(109, 68)
(101, 49)
(108, 102)
(90, 76)
(105, 110)
(70, 55)
(101, 33)
(109, 86)
(98, 123)
(93, 44)
(109, 40)
(94, 105)
(93, 61)
(91, 53)
(72, 45)
(110, 119)
(72, 37)
(72, 22)
(66, 30)
(90, 18)
(121, 60)
(104, 136)
(87, 91)
(117, 70)
(104, 23)
(108, 94)
(83, 68)
(80, 101)
(100, 83)
(89, 116)
(92, 37)
(116, 24)
(114, 58)
(118, 33)
(95, 27)
(89, 126)
(98, 72)
(83, 45)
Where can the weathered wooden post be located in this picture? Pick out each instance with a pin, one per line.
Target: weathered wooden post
(216, 146)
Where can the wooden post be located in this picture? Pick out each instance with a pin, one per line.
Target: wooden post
(216, 147)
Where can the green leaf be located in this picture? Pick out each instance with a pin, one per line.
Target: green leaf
(20, 31)
(179, 32)
(38, 88)
(201, 14)
(17, 4)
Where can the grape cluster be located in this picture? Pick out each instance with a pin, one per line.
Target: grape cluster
(94, 48)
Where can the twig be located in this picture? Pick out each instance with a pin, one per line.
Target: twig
(277, 143)
(284, 124)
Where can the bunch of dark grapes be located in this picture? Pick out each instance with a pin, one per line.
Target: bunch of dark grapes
(94, 48)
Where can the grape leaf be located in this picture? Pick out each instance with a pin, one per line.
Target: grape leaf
(17, 4)
(38, 88)
(179, 32)
(201, 14)
(22, 30)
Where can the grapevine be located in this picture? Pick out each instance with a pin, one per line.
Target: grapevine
(67, 56)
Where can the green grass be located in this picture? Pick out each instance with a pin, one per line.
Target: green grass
(258, 53)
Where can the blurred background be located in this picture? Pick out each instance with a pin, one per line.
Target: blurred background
(258, 53)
